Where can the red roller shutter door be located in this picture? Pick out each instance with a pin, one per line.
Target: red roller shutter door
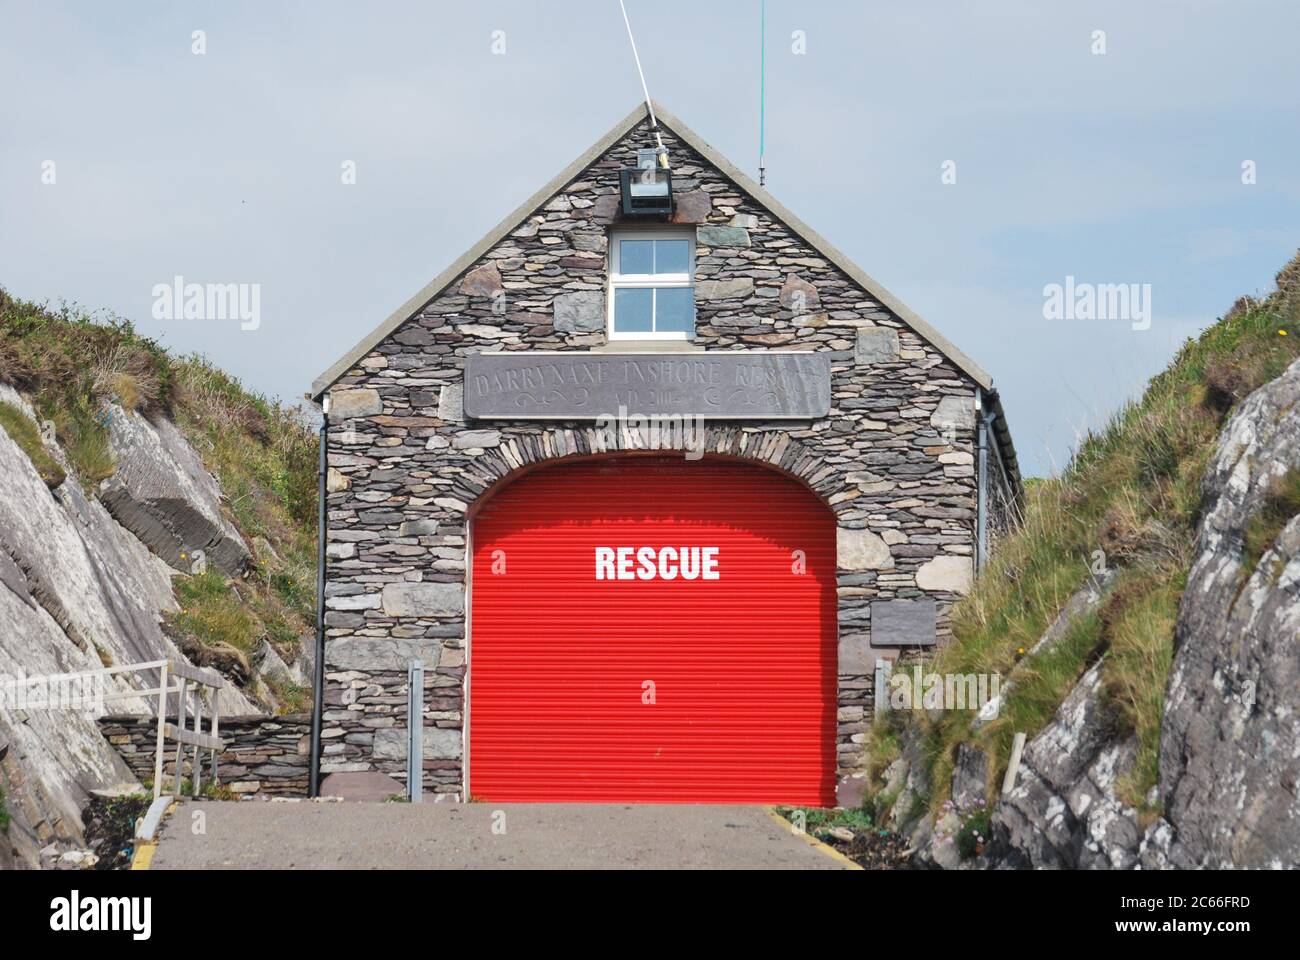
(742, 666)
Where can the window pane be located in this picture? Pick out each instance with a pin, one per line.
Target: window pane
(636, 256)
(675, 310)
(632, 310)
(672, 256)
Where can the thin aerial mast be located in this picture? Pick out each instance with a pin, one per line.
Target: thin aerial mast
(762, 94)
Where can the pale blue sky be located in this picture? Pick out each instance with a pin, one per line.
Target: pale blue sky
(225, 167)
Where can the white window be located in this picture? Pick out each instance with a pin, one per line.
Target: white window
(652, 296)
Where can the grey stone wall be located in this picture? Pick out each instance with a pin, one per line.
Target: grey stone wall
(894, 459)
(264, 756)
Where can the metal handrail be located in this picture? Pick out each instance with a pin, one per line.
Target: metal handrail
(206, 683)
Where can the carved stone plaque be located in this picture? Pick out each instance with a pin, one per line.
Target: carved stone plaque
(721, 384)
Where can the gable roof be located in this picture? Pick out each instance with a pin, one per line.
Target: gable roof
(764, 199)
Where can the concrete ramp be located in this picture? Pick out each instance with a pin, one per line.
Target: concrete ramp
(314, 836)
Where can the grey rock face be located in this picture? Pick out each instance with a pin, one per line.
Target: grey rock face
(162, 493)
(969, 776)
(271, 666)
(76, 587)
(1231, 729)
(1062, 811)
(1231, 733)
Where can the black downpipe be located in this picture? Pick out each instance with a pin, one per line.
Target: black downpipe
(982, 483)
(318, 681)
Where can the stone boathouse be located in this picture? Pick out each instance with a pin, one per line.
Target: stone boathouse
(655, 483)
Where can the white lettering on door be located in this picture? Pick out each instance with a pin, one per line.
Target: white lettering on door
(664, 563)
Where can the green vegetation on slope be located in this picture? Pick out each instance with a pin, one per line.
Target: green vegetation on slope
(1129, 500)
(265, 457)
(23, 432)
(1281, 504)
(73, 367)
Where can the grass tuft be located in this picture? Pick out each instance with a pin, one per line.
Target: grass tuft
(23, 432)
(1281, 503)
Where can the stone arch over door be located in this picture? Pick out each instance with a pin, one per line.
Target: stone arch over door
(518, 452)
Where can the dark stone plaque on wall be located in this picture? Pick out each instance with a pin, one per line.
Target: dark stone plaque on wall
(903, 623)
(721, 384)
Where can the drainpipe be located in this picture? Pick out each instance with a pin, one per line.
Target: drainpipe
(981, 521)
(318, 681)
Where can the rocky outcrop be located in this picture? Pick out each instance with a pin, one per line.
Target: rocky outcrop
(161, 492)
(1063, 810)
(77, 591)
(1229, 767)
(1229, 777)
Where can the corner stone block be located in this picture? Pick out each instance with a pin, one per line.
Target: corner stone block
(424, 599)
(861, 550)
(355, 403)
(876, 345)
(581, 312)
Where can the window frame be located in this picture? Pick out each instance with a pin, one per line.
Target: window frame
(634, 281)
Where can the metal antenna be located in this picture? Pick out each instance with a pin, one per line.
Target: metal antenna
(762, 94)
(654, 123)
